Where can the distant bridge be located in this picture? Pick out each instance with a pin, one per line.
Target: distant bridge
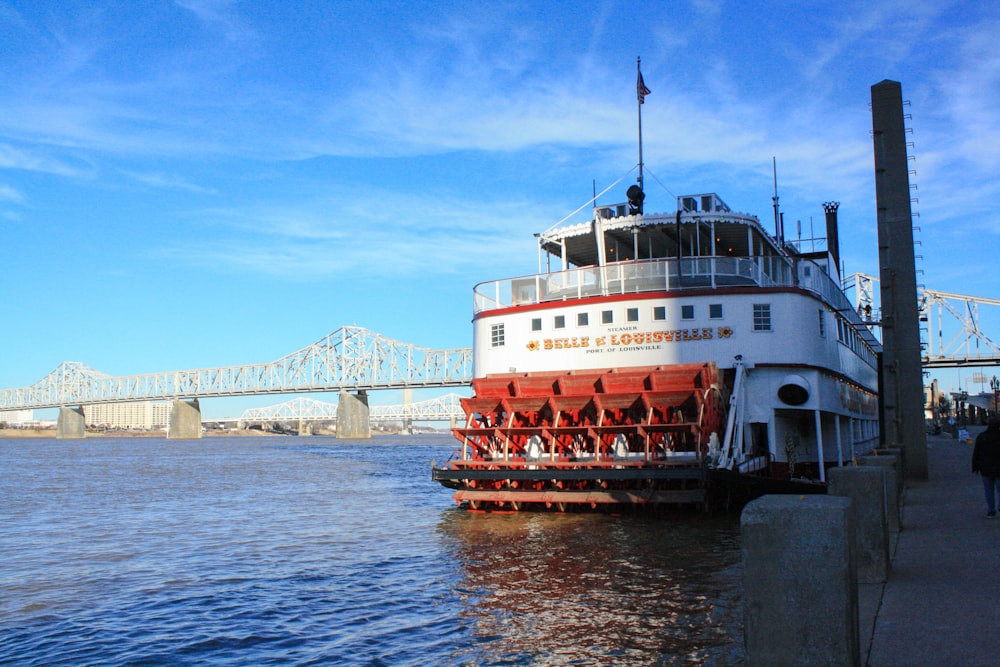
(967, 343)
(350, 359)
(443, 408)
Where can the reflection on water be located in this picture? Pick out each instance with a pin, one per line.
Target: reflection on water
(310, 551)
(561, 589)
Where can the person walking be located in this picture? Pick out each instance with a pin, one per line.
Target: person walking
(986, 461)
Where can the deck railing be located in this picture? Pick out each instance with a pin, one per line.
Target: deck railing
(633, 278)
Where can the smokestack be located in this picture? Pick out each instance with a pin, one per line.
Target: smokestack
(832, 238)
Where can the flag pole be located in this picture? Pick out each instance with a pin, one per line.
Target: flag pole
(640, 87)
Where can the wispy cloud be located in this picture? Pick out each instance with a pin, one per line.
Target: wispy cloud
(319, 239)
(220, 14)
(9, 194)
(38, 160)
(166, 181)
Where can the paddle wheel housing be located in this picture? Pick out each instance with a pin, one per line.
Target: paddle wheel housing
(588, 438)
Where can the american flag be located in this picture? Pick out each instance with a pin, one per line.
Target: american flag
(641, 90)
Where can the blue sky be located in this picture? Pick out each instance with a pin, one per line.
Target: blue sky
(202, 183)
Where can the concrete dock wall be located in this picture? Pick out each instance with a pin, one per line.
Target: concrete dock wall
(800, 585)
(865, 486)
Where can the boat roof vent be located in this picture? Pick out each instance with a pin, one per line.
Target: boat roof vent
(611, 211)
(706, 203)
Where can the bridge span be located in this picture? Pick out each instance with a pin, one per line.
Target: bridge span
(351, 360)
(304, 410)
(952, 332)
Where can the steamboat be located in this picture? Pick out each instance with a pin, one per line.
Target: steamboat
(681, 359)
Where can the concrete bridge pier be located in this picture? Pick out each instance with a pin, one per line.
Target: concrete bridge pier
(185, 420)
(353, 415)
(305, 428)
(70, 425)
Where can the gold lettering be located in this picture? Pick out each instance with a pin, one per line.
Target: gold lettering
(547, 343)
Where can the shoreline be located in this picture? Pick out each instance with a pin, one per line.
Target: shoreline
(35, 433)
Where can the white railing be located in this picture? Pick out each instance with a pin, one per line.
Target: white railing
(635, 277)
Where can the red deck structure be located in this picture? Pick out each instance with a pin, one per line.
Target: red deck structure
(636, 436)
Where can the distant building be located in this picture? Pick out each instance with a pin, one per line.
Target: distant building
(17, 417)
(136, 415)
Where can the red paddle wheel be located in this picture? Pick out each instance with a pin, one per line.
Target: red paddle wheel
(587, 438)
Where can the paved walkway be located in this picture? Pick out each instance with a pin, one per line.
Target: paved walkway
(941, 603)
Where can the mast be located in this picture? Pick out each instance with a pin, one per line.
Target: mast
(779, 232)
(640, 93)
(636, 197)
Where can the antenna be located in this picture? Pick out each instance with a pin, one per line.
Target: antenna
(778, 231)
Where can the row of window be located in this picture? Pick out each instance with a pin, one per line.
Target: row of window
(631, 315)
(848, 335)
(761, 319)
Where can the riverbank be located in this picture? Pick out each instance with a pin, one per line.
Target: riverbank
(51, 433)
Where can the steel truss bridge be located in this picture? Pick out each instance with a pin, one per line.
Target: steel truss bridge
(304, 408)
(966, 345)
(351, 359)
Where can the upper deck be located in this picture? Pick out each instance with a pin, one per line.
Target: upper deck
(704, 245)
(702, 226)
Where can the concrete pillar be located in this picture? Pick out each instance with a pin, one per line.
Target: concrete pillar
(305, 428)
(892, 495)
(800, 586)
(407, 402)
(353, 417)
(865, 486)
(900, 465)
(71, 424)
(185, 420)
(902, 387)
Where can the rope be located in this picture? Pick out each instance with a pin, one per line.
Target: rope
(590, 202)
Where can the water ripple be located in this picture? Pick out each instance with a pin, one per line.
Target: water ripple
(315, 552)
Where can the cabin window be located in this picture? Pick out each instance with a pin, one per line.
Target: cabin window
(496, 335)
(632, 314)
(659, 312)
(582, 319)
(687, 312)
(536, 324)
(715, 311)
(607, 317)
(559, 322)
(762, 317)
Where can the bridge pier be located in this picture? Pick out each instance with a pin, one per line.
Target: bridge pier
(305, 428)
(70, 425)
(185, 420)
(353, 415)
